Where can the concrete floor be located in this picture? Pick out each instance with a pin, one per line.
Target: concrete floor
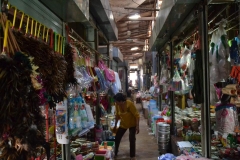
(146, 144)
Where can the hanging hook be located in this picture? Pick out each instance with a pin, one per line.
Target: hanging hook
(35, 30)
(27, 25)
(20, 26)
(14, 16)
(43, 36)
(39, 29)
(31, 32)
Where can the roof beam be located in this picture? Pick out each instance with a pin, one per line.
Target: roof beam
(131, 26)
(139, 19)
(148, 9)
(132, 31)
(135, 35)
(131, 44)
(133, 38)
(130, 52)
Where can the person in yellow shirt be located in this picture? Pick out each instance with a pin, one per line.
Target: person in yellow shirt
(127, 112)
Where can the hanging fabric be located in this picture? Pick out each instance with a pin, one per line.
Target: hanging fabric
(109, 74)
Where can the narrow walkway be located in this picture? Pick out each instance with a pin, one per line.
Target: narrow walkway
(146, 145)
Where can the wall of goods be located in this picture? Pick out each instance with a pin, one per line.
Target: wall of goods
(186, 84)
(49, 89)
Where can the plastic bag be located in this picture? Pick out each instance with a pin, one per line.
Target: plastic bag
(166, 156)
(214, 74)
(226, 118)
(164, 75)
(224, 68)
(213, 96)
(185, 60)
(221, 31)
(83, 78)
(182, 157)
(212, 47)
(177, 83)
(114, 88)
(223, 48)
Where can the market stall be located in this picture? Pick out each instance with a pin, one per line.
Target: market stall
(50, 92)
(201, 89)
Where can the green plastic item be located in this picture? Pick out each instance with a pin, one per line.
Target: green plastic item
(109, 143)
(96, 157)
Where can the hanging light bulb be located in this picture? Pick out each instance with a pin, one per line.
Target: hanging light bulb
(135, 16)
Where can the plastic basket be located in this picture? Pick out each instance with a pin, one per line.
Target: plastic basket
(101, 154)
(99, 157)
(109, 143)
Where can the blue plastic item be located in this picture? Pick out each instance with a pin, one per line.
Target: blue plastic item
(167, 156)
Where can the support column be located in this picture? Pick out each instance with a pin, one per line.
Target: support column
(66, 153)
(159, 104)
(96, 42)
(205, 109)
(108, 53)
(171, 93)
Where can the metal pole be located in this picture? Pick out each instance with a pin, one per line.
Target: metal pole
(205, 109)
(63, 152)
(171, 93)
(98, 97)
(159, 73)
(66, 153)
(108, 53)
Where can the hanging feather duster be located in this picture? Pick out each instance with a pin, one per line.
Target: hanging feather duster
(70, 78)
(52, 66)
(19, 109)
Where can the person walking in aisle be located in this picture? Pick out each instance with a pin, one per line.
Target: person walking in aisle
(127, 112)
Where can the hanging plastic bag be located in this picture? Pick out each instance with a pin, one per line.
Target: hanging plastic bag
(226, 118)
(114, 88)
(221, 31)
(177, 83)
(211, 51)
(164, 75)
(224, 65)
(223, 47)
(185, 60)
(214, 69)
(224, 69)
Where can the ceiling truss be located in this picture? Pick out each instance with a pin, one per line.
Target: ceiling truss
(133, 33)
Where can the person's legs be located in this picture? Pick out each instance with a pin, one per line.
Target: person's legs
(132, 140)
(118, 138)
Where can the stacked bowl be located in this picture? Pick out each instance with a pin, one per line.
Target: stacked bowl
(163, 137)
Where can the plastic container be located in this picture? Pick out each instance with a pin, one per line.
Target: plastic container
(152, 102)
(109, 143)
(99, 157)
(154, 120)
(101, 152)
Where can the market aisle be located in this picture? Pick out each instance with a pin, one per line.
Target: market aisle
(146, 146)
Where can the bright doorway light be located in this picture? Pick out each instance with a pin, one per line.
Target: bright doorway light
(134, 48)
(135, 16)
